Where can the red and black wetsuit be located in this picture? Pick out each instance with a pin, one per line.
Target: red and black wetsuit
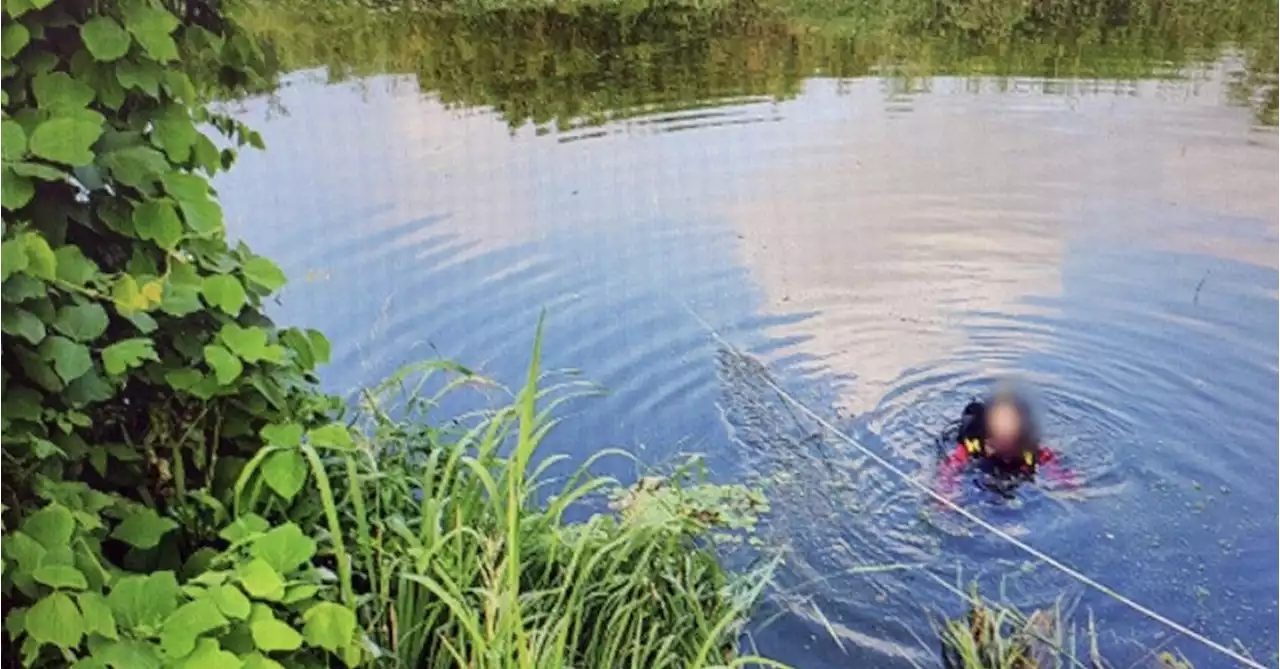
(971, 448)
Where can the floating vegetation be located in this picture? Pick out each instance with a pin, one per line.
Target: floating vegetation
(991, 635)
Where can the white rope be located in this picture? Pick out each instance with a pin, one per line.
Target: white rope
(1029, 549)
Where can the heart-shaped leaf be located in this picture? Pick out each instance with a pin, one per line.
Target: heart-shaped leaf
(89, 388)
(174, 132)
(328, 625)
(73, 267)
(98, 618)
(261, 581)
(180, 299)
(249, 344)
(15, 37)
(244, 527)
(13, 257)
(202, 216)
(51, 526)
(83, 322)
(127, 296)
(22, 288)
(65, 140)
(185, 187)
(333, 435)
(55, 620)
(158, 221)
(287, 434)
(226, 367)
(60, 576)
(300, 592)
(15, 191)
(137, 166)
(130, 653)
(144, 529)
(224, 292)
(141, 74)
(104, 38)
(152, 27)
(231, 602)
(69, 358)
(178, 638)
(41, 261)
(22, 323)
(143, 602)
(210, 655)
(13, 140)
(128, 354)
(271, 635)
(41, 372)
(319, 346)
(264, 273)
(285, 471)
(58, 92)
(284, 548)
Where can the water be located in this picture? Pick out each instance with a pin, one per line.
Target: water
(884, 235)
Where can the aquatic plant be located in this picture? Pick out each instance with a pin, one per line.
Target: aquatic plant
(1001, 637)
(997, 635)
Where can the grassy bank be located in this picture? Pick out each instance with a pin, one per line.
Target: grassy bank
(469, 568)
(460, 554)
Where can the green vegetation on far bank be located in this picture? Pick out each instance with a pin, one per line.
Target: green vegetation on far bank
(590, 61)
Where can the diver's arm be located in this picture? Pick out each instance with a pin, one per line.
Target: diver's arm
(1055, 471)
(950, 470)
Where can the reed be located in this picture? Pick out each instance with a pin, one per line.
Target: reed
(465, 556)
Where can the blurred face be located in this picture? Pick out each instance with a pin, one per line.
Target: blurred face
(1004, 425)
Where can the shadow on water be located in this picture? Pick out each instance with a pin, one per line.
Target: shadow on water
(887, 206)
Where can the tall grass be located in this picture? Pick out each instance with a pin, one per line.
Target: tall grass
(470, 560)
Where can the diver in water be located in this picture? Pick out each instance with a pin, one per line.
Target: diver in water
(1000, 438)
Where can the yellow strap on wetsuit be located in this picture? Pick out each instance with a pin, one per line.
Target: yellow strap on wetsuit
(974, 447)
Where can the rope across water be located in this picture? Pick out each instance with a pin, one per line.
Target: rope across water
(1025, 547)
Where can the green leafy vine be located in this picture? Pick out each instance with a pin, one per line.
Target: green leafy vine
(141, 377)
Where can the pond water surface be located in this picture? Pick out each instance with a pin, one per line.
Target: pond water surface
(882, 239)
